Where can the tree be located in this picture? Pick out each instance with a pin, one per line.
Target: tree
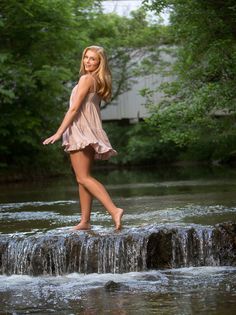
(40, 51)
(199, 108)
(37, 45)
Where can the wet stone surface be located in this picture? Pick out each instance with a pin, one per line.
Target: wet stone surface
(139, 249)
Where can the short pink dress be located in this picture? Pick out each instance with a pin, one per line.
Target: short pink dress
(86, 128)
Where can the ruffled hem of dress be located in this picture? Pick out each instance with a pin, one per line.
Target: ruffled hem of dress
(101, 152)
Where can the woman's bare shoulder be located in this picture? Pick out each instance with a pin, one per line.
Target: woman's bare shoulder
(86, 79)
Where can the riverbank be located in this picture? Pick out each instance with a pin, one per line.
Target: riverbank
(29, 175)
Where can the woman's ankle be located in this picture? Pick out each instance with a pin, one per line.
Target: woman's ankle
(83, 226)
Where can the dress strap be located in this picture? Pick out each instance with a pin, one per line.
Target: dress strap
(94, 84)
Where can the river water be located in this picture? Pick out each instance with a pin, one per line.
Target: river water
(190, 196)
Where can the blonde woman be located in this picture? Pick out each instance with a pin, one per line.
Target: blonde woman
(83, 136)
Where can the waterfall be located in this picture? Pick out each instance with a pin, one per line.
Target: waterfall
(194, 247)
(62, 254)
(139, 249)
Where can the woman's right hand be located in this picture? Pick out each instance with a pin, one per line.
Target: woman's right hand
(52, 139)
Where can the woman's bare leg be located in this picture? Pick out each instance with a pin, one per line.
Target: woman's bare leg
(85, 206)
(81, 162)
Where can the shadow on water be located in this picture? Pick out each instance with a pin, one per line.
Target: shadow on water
(185, 197)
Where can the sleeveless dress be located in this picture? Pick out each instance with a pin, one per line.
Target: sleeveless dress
(86, 128)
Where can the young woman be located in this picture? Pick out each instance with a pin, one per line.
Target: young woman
(83, 136)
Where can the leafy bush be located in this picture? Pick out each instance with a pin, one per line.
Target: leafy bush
(139, 144)
(199, 108)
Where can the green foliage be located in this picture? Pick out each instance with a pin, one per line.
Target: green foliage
(119, 136)
(144, 146)
(37, 39)
(199, 108)
(139, 144)
(40, 50)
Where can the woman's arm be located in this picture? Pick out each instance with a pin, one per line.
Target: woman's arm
(84, 85)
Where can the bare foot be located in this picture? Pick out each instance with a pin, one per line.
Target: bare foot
(82, 226)
(117, 218)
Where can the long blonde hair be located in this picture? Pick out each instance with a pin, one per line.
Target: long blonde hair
(102, 73)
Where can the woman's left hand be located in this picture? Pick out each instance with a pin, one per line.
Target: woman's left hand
(52, 139)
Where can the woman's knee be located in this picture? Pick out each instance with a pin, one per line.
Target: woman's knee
(82, 180)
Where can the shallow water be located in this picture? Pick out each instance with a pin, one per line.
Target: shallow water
(202, 290)
(146, 196)
(182, 196)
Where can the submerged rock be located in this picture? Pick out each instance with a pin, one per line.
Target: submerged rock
(137, 249)
(225, 242)
(115, 286)
(196, 246)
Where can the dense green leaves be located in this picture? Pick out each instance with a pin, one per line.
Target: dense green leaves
(33, 67)
(199, 110)
(40, 50)
(138, 144)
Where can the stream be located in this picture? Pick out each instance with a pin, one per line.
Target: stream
(166, 259)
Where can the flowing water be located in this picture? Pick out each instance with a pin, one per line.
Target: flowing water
(47, 269)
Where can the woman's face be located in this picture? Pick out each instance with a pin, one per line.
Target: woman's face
(91, 61)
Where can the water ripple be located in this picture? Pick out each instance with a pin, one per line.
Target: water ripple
(18, 205)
